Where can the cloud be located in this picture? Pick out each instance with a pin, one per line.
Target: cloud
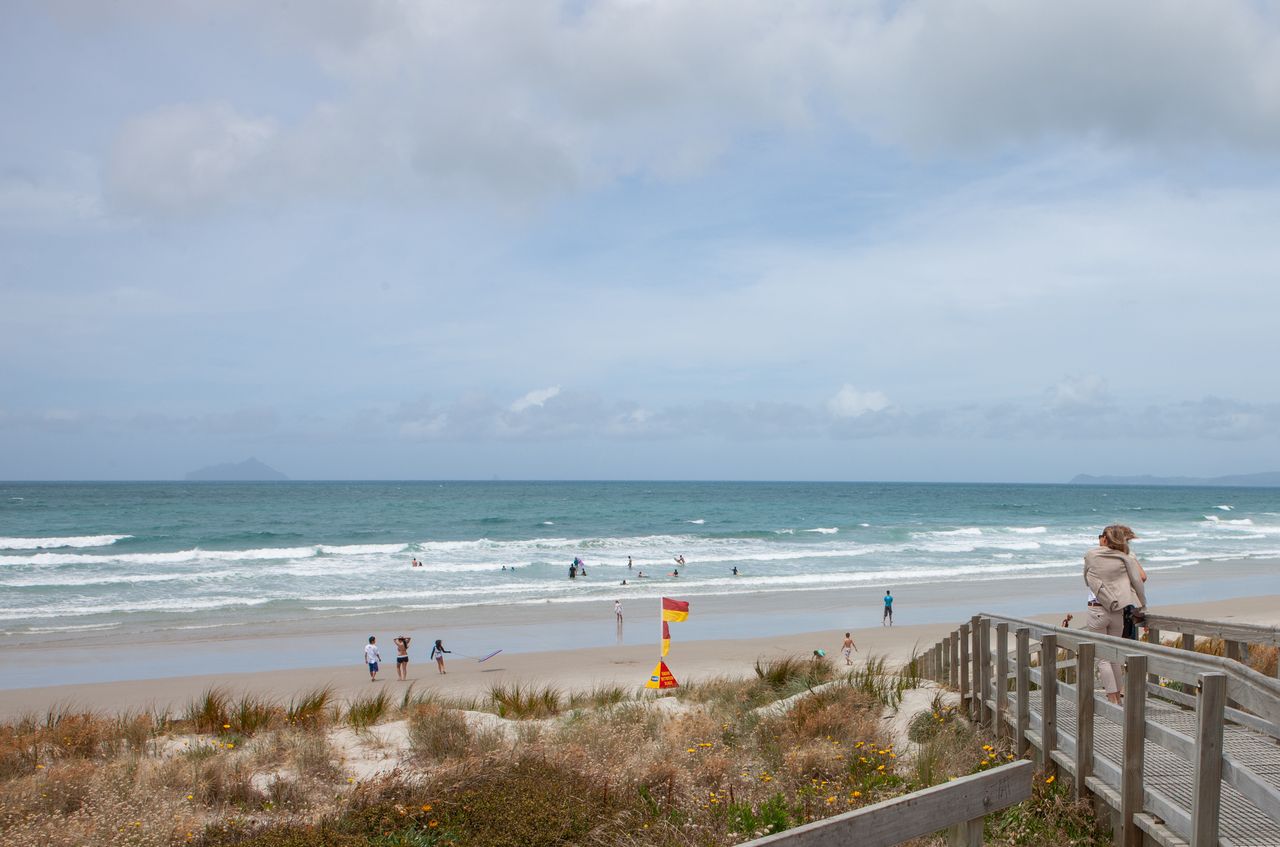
(187, 157)
(1080, 393)
(849, 402)
(537, 397)
(438, 99)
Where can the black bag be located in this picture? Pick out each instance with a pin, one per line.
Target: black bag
(1132, 620)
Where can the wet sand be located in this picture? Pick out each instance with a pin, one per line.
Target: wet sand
(627, 664)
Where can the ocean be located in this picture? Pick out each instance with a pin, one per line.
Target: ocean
(138, 558)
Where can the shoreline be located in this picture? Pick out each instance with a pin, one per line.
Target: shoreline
(102, 657)
(566, 669)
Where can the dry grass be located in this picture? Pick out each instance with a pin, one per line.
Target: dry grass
(1261, 657)
(601, 767)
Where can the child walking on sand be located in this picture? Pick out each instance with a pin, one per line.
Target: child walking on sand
(847, 648)
(437, 653)
(402, 657)
(372, 657)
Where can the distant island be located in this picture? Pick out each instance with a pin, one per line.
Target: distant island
(1270, 479)
(250, 470)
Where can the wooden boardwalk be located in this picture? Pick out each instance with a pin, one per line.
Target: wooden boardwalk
(1194, 764)
(1167, 780)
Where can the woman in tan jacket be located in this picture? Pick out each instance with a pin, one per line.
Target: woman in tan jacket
(1115, 580)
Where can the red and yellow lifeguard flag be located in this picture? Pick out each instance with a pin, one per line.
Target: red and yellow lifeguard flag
(661, 678)
(674, 610)
(666, 638)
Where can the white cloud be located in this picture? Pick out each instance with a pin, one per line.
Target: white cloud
(527, 100)
(188, 156)
(538, 397)
(849, 402)
(1080, 393)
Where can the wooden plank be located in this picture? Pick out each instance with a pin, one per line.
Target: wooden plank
(913, 815)
(964, 667)
(1248, 633)
(1245, 686)
(1206, 804)
(1153, 637)
(1049, 699)
(984, 669)
(1022, 683)
(1002, 679)
(954, 670)
(975, 647)
(1084, 718)
(1135, 717)
(967, 834)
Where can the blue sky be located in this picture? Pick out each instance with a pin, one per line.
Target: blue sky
(996, 240)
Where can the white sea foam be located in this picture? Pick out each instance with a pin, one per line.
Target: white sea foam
(699, 521)
(1224, 507)
(165, 605)
(548, 523)
(1217, 520)
(53, 543)
(966, 531)
(824, 530)
(1027, 530)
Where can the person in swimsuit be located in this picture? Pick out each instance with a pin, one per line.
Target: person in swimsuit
(402, 657)
(847, 648)
(437, 653)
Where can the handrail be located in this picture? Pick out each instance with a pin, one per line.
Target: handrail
(1248, 632)
(1260, 694)
(959, 803)
(1121, 783)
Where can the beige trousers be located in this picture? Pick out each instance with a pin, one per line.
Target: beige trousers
(1108, 623)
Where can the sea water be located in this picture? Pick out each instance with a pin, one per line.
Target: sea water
(134, 558)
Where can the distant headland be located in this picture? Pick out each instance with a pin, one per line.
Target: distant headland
(250, 470)
(1269, 479)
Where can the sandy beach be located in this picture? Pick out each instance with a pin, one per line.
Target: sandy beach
(568, 669)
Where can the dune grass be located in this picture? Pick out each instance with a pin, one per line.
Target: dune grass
(605, 766)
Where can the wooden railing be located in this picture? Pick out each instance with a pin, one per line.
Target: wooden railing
(1236, 637)
(964, 659)
(959, 805)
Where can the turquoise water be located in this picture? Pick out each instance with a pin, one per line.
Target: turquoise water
(142, 557)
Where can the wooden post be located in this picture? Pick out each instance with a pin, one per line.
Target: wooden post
(1206, 799)
(967, 834)
(1135, 726)
(1002, 679)
(1153, 637)
(984, 671)
(975, 698)
(1022, 675)
(1233, 650)
(1049, 699)
(954, 670)
(1188, 641)
(946, 661)
(964, 667)
(1084, 716)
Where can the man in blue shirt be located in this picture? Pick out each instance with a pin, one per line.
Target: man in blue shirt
(888, 609)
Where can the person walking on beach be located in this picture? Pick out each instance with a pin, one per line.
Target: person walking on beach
(1115, 581)
(402, 657)
(372, 657)
(847, 648)
(888, 610)
(617, 609)
(437, 653)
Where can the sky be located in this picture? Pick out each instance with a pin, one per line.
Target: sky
(993, 240)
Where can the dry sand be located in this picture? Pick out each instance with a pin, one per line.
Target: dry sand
(567, 669)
